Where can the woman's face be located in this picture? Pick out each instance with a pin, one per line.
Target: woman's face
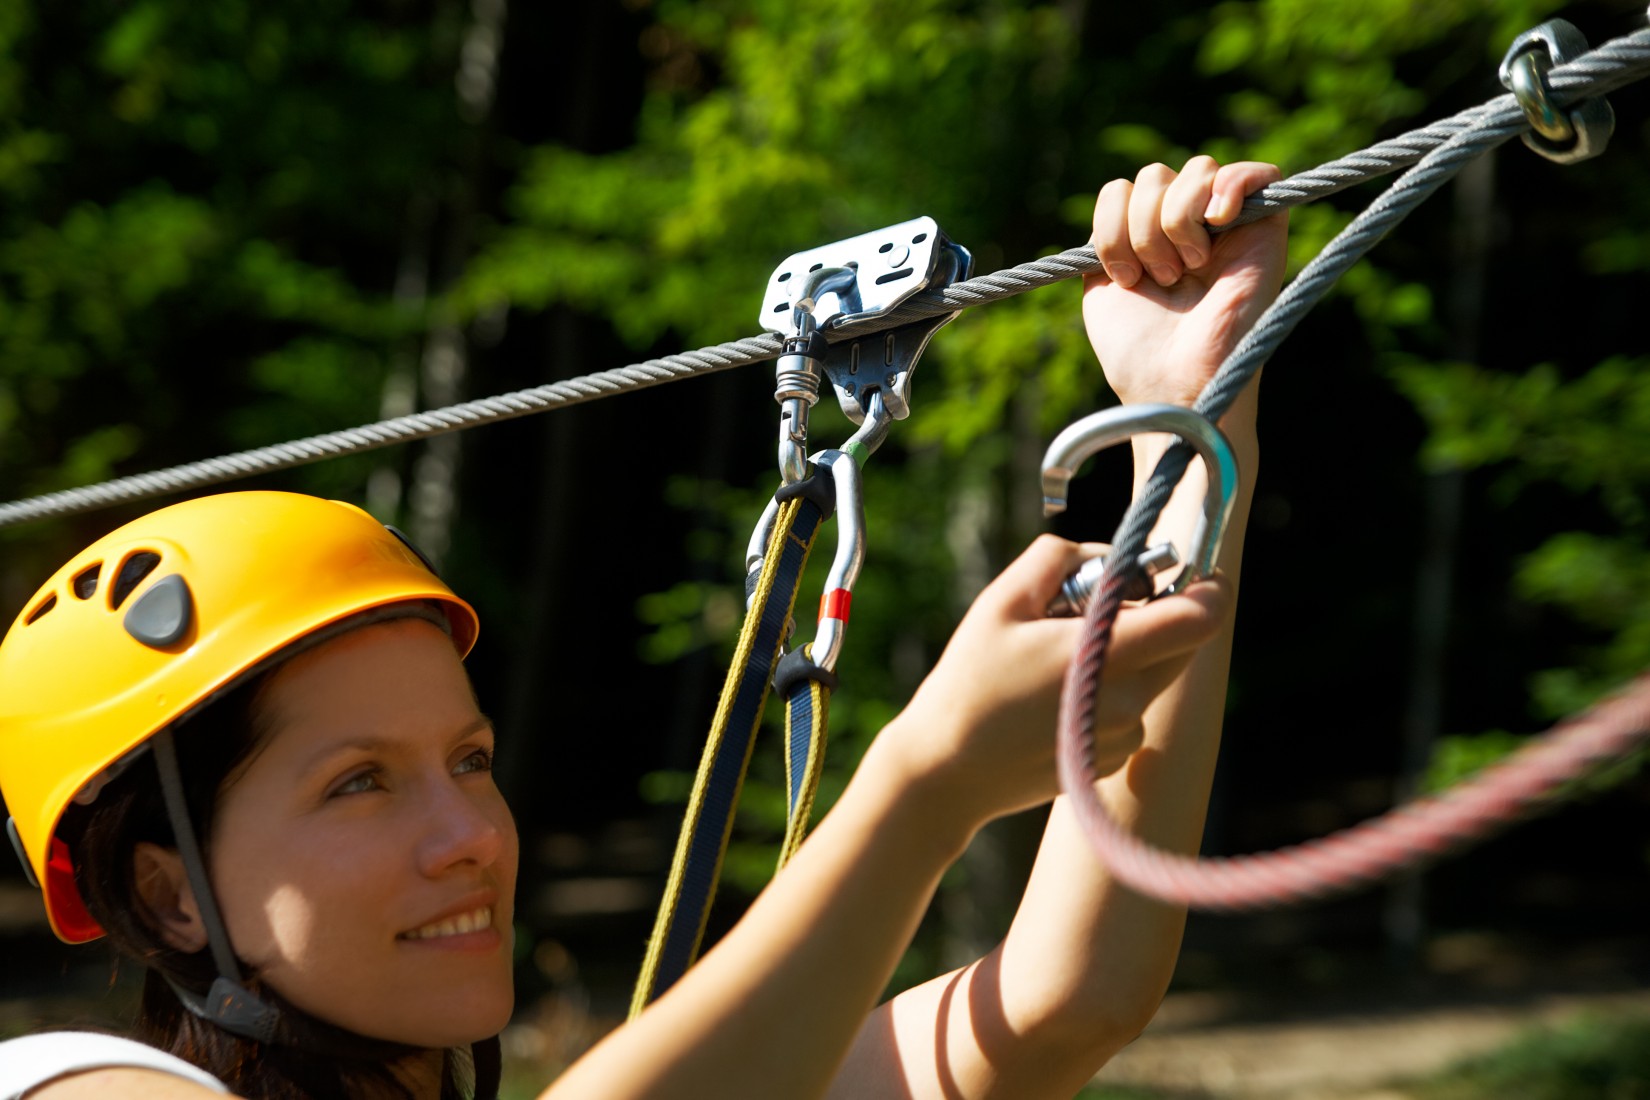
(363, 858)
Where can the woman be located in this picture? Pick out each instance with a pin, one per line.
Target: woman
(277, 682)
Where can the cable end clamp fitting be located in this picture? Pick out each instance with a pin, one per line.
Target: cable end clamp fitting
(1565, 136)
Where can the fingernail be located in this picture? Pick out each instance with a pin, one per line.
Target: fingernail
(1194, 257)
(1163, 273)
(1220, 208)
(1123, 274)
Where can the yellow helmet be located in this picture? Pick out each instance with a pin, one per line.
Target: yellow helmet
(153, 619)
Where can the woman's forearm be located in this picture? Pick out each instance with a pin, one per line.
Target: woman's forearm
(1086, 961)
(773, 1008)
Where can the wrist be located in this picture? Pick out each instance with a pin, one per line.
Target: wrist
(1238, 425)
(904, 761)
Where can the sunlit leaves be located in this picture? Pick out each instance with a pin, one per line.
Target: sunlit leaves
(1581, 433)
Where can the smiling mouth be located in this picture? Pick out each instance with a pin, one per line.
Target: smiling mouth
(459, 925)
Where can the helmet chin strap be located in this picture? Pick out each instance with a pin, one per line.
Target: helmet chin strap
(229, 1004)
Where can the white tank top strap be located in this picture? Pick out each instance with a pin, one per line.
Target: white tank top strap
(35, 1060)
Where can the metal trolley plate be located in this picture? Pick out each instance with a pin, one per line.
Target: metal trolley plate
(890, 265)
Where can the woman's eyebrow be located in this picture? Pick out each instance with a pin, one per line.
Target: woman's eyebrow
(481, 722)
(371, 744)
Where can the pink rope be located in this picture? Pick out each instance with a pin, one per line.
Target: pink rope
(1408, 836)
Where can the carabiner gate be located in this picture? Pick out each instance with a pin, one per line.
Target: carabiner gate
(834, 602)
(1109, 427)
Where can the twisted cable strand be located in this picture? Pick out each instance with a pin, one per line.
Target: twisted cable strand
(1418, 833)
(1612, 65)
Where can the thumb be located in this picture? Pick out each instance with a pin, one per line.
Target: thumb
(1172, 626)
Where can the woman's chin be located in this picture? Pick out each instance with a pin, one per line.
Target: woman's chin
(453, 1016)
(461, 1021)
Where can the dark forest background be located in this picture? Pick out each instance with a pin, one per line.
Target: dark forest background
(233, 224)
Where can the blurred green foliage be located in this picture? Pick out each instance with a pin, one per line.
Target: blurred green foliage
(206, 211)
(817, 125)
(1321, 86)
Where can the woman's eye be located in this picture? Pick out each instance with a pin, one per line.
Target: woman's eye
(481, 760)
(360, 783)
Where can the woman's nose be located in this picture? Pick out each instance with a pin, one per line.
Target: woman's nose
(460, 826)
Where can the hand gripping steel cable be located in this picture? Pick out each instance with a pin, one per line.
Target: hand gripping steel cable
(1427, 829)
(872, 377)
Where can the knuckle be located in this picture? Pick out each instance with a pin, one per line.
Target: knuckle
(1156, 172)
(1180, 228)
(1113, 196)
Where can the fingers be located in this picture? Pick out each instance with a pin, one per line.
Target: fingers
(1151, 647)
(1174, 626)
(1232, 184)
(1143, 634)
(1184, 205)
(1153, 247)
(1155, 224)
(1111, 237)
(1024, 589)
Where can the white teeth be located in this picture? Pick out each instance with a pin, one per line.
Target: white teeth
(453, 926)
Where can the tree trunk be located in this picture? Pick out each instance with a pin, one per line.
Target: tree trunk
(1405, 911)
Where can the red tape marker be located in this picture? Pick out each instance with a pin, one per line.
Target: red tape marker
(834, 604)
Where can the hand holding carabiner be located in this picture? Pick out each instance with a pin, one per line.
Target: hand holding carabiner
(979, 725)
(1109, 427)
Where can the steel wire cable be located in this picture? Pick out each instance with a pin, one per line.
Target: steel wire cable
(401, 429)
(1612, 65)
(1409, 835)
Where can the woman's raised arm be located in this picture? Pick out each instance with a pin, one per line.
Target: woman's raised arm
(773, 1008)
(1086, 961)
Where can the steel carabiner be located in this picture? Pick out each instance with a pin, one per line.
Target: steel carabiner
(834, 602)
(1104, 429)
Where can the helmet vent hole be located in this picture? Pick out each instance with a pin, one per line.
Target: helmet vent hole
(132, 571)
(40, 609)
(85, 582)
